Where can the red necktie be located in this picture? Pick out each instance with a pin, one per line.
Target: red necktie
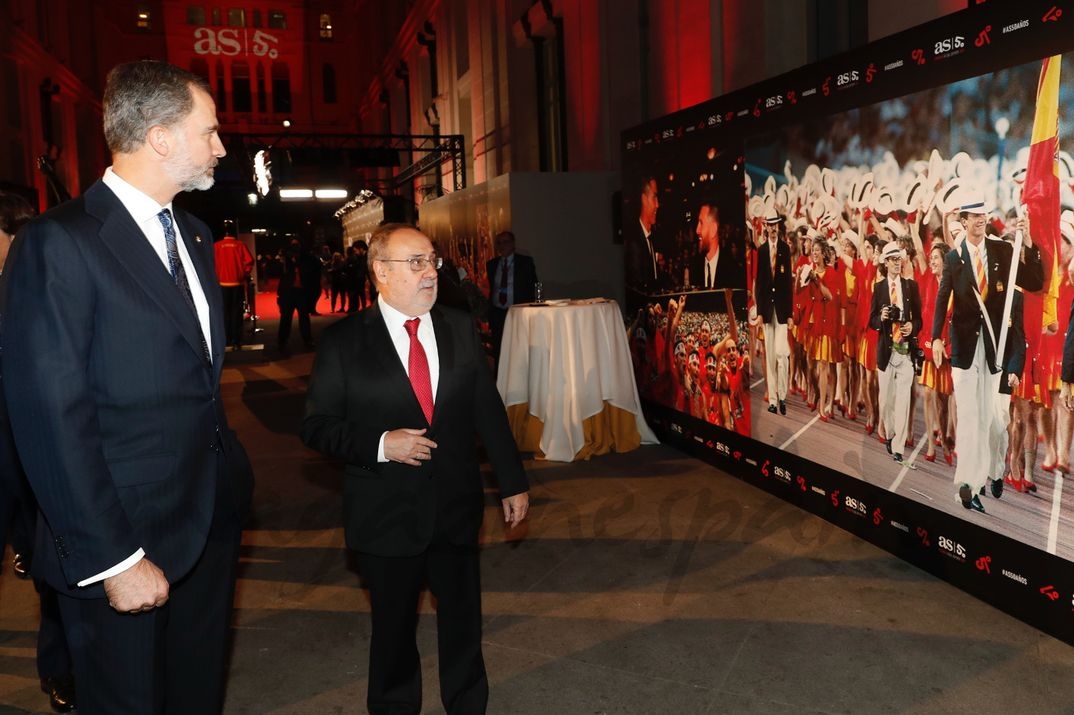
(418, 367)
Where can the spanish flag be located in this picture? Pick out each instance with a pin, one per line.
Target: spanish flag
(1040, 193)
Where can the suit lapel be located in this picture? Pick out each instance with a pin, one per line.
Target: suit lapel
(445, 348)
(124, 238)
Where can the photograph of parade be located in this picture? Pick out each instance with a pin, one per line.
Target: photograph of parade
(908, 279)
(684, 238)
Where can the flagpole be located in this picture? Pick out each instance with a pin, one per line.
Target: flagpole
(1012, 276)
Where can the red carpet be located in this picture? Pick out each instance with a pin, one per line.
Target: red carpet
(267, 309)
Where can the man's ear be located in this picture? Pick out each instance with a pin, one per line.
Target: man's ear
(159, 138)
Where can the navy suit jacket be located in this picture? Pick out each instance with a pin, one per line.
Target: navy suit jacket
(116, 414)
(359, 390)
(967, 322)
(525, 275)
(777, 291)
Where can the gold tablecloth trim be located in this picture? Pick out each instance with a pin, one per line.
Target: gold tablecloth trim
(610, 429)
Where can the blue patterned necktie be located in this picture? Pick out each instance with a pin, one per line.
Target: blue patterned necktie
(179, 273)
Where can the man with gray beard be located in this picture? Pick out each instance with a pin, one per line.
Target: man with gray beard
(112, 352)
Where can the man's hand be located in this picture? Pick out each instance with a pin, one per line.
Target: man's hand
(139, 589)
(515, 509)
(1066, 398)
(937, 353)
(408, 446)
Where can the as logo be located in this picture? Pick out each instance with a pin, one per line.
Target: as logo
(775, 101)
(845, 78)
(948, 44)
(855, 505)
(952, 547)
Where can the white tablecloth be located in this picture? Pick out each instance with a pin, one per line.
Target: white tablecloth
(566, 361)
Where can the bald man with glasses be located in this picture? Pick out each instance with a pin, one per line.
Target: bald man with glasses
(398, 393)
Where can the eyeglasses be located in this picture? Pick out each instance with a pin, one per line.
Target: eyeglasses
(417, 264)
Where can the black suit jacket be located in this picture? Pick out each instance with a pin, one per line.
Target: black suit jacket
(775, 291)
(639, 262)
(525, 275)
(909, 310)
(959, 279)
(359, 390)
(725, 271)
(117, 416)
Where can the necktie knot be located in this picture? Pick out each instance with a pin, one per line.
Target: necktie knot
(165, 217)
(412, 326)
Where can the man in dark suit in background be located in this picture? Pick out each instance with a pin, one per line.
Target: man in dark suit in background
(113, 343)
(773, 291)
(299, 288)
(512, 280)
(644, 270)
(711, 267)
(398, 393)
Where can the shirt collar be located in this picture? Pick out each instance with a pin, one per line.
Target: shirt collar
(394, 319)
(140, 205)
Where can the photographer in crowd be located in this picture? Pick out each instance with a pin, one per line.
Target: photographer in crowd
(896, 314)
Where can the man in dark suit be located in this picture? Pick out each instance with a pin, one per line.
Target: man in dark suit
(711, 267)
(773, 291)
(113, 342)
(512, 280)
(896, 313)
(299, 288)
(644, 269)
(398, 392)
(976, 273)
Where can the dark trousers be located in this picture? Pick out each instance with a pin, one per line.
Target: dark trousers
(289, 302)
(233, 305)
(452, 573)
(53, 656)
(497, 318)
(173, 659)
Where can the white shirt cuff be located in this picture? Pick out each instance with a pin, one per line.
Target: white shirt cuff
(380, 449)
(117, 569)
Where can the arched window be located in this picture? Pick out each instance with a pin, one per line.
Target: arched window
(326, 26)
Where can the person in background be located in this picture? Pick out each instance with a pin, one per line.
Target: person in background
(774, 294)
(18, 512)
(644, 252)
(299, 284)
(234, 263)
(399, 392)
(895, 312)
(357, 269)
(512, 280)
(113, 348)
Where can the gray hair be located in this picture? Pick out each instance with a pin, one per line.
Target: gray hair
(143, 94)
(378, 243)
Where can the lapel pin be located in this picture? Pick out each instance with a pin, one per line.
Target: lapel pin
(197, 238)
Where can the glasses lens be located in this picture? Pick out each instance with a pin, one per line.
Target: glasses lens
(420, 264)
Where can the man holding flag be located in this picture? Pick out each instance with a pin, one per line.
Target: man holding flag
(976, 280)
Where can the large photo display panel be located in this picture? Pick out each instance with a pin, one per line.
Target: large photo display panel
(807, 264)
